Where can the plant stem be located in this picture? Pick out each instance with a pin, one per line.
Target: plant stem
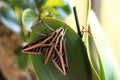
(77, 22)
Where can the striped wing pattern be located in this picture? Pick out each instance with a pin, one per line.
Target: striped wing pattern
(54, 45)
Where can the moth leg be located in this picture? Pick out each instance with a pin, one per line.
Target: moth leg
(84, 29)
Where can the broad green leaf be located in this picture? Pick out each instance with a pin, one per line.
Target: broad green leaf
(93, 58)
(23, 61)
(93, 55)
(79, 67)
(28, 18)
(108, 66)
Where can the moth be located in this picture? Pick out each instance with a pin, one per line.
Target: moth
(54, 47)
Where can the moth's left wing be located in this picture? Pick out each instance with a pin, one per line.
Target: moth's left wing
(35, 47)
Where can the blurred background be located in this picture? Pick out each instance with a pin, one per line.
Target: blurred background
(108, 14)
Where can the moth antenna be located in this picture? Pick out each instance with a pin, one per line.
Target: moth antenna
(61, 26)
(38, 23)
(65, 40)
(40, 33)
(48, 27)
(65, 30)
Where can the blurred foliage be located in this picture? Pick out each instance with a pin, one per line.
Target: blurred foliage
(11, 10)
(101, 55)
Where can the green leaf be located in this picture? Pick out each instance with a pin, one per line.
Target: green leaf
(23, 61)
(79, 68)
(93, 58)
(108, 66)
(51, 9)
(54, 3)
(40, 3)
(102, 72)
(28, 19)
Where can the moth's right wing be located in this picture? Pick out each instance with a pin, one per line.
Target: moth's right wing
(60, 57)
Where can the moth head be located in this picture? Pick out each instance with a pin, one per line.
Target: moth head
(60, 31)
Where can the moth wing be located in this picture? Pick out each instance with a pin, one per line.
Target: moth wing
(60, 58)
(64, 53)
(49, 53)
(37, 46)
